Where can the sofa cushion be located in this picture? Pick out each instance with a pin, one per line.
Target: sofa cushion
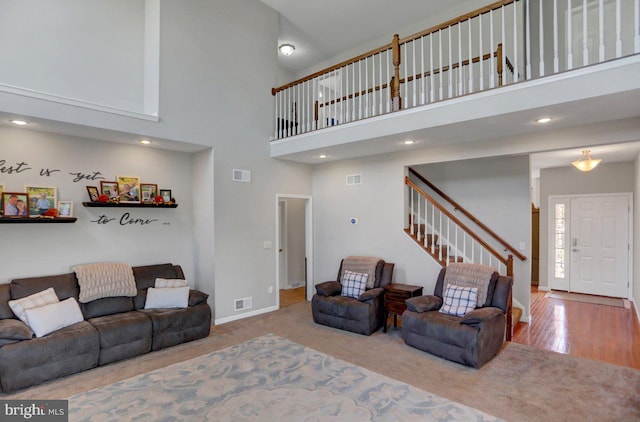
(424, 303)
(196, 297)
(169, 297)
(123, 335)
(15, 330)
(353, 284)
(65, 285)
(5, 297)
(107, 306)
(328, 288)
(459, 300)
(146, 275)
(43, 298)
(175, 326)
(49, 318)
(105, 279)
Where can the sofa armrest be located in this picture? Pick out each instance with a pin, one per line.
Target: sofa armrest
(197, 297)
(371, 294)
(478, 316)
(13, 329)
(424, 303)
(329, 288)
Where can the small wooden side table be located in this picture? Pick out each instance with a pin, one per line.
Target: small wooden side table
(394, 297)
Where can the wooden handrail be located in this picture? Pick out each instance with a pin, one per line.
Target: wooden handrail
(470, 216)
(456, 220)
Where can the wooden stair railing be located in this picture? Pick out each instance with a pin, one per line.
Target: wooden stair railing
(458, 207)
(438, 243)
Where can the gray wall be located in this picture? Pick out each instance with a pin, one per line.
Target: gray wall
(501, 199)
(636, 237)
(606, 178)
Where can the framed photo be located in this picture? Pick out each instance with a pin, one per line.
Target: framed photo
(41, 199)
(129, 189)
(93, 193)
(148, 192)
(110, 189)
(65, 208)
(165, 194)
(15, 204)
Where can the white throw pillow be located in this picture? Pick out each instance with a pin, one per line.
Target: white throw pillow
(36, 300)
(353, 284)
(49, 318)
(459, 300)
(170, 282)
(168, 297)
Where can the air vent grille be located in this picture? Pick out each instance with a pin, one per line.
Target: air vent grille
(354, 179)
(241, 175)
(244, 303)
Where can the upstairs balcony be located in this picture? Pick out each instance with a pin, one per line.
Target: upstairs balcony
(508, 62)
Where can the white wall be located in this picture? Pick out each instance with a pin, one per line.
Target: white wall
(378, 203)
(606, 178)
(91, 51)
(636, 237)
(36, 249)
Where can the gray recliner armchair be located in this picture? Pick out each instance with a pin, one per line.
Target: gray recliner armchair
(362, 315)
(472, 339)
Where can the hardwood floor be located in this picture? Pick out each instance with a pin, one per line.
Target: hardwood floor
(291, 296)
(600, 332)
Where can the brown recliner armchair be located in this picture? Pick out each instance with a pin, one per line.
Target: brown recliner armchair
(473, 339)
(363, 315)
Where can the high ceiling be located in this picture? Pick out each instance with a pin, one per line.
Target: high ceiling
(322, 29)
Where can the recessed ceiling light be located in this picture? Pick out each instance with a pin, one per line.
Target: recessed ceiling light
(145, 142)
(543, 120)
(19, 122)
(409, 142)
(322, 156)
(287, 49)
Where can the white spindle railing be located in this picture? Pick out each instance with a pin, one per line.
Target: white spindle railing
(444, 236)
(500, 44)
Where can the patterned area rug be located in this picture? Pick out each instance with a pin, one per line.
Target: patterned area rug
(266, 379)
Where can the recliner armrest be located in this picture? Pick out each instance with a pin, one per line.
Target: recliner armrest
(424, 303)
(197, 297)
(478, 316)
(329, 288)
(370, 294)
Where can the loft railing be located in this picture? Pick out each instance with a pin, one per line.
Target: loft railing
(506, 42)
(457, 207)
(447, 239)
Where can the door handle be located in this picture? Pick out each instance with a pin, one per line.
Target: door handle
(279, 250)
(575, 250)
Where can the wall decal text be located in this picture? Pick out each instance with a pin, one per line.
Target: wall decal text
(125, 220)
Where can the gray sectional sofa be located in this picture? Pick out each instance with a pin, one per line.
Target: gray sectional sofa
(114, 328)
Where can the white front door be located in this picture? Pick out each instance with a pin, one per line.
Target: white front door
(599, 245)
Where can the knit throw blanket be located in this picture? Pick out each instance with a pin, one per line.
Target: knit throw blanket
(362, 264)
(106, 279)
(470, 275)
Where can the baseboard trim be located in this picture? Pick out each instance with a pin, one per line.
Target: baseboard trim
(245, 315)
(544, 288)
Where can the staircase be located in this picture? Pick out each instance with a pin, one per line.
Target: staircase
(446, 238)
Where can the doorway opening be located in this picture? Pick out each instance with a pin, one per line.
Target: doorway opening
(293, 249)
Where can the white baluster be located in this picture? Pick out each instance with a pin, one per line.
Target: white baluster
(380, 107)
(440, 241)
(360, 90)
(470, 59)
(348, 102)
(504, 49)
(373, 85)
(411, 217)
(601, 51)
(441, 91)
(569, 36)
(585, 35)
(388, 79)
(480, 52)
(406, 77)
(431, 76)
(450, 67)
(415, 82)
(473, 252)
(516, 60)
(433, 227)
(636, 26)
(456, 243)
(419, 200)
(541, 38)
(460, 77)
(481, 250)
(448, 241)
(276, 113)
(464, 246)
(527, 37)
(353, 91)
(288, 110)
(423, 93)
(556, 55)
(490, 259)
(618, 30)
(426, 219)
(492, 61)
(366, 87)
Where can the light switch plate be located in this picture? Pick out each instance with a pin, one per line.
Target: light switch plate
(267, 244)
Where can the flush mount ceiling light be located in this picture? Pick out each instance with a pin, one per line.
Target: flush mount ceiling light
(145, 142)
(543, 120)
(409, 142)
(586, 163)
(19, 122)
(287, 49)
(322, 156)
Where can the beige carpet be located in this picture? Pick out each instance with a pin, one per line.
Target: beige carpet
(521, 384)
(598, 300)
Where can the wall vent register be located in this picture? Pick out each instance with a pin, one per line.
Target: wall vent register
(241, 175)
(244, 303)
(354, 179)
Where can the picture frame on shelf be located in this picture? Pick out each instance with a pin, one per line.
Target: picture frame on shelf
(93, 193)
(65, 208)
(41, 199)
(148, 192)
(110, 189)
(129, 189)
(15, 204)
(165, 194)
